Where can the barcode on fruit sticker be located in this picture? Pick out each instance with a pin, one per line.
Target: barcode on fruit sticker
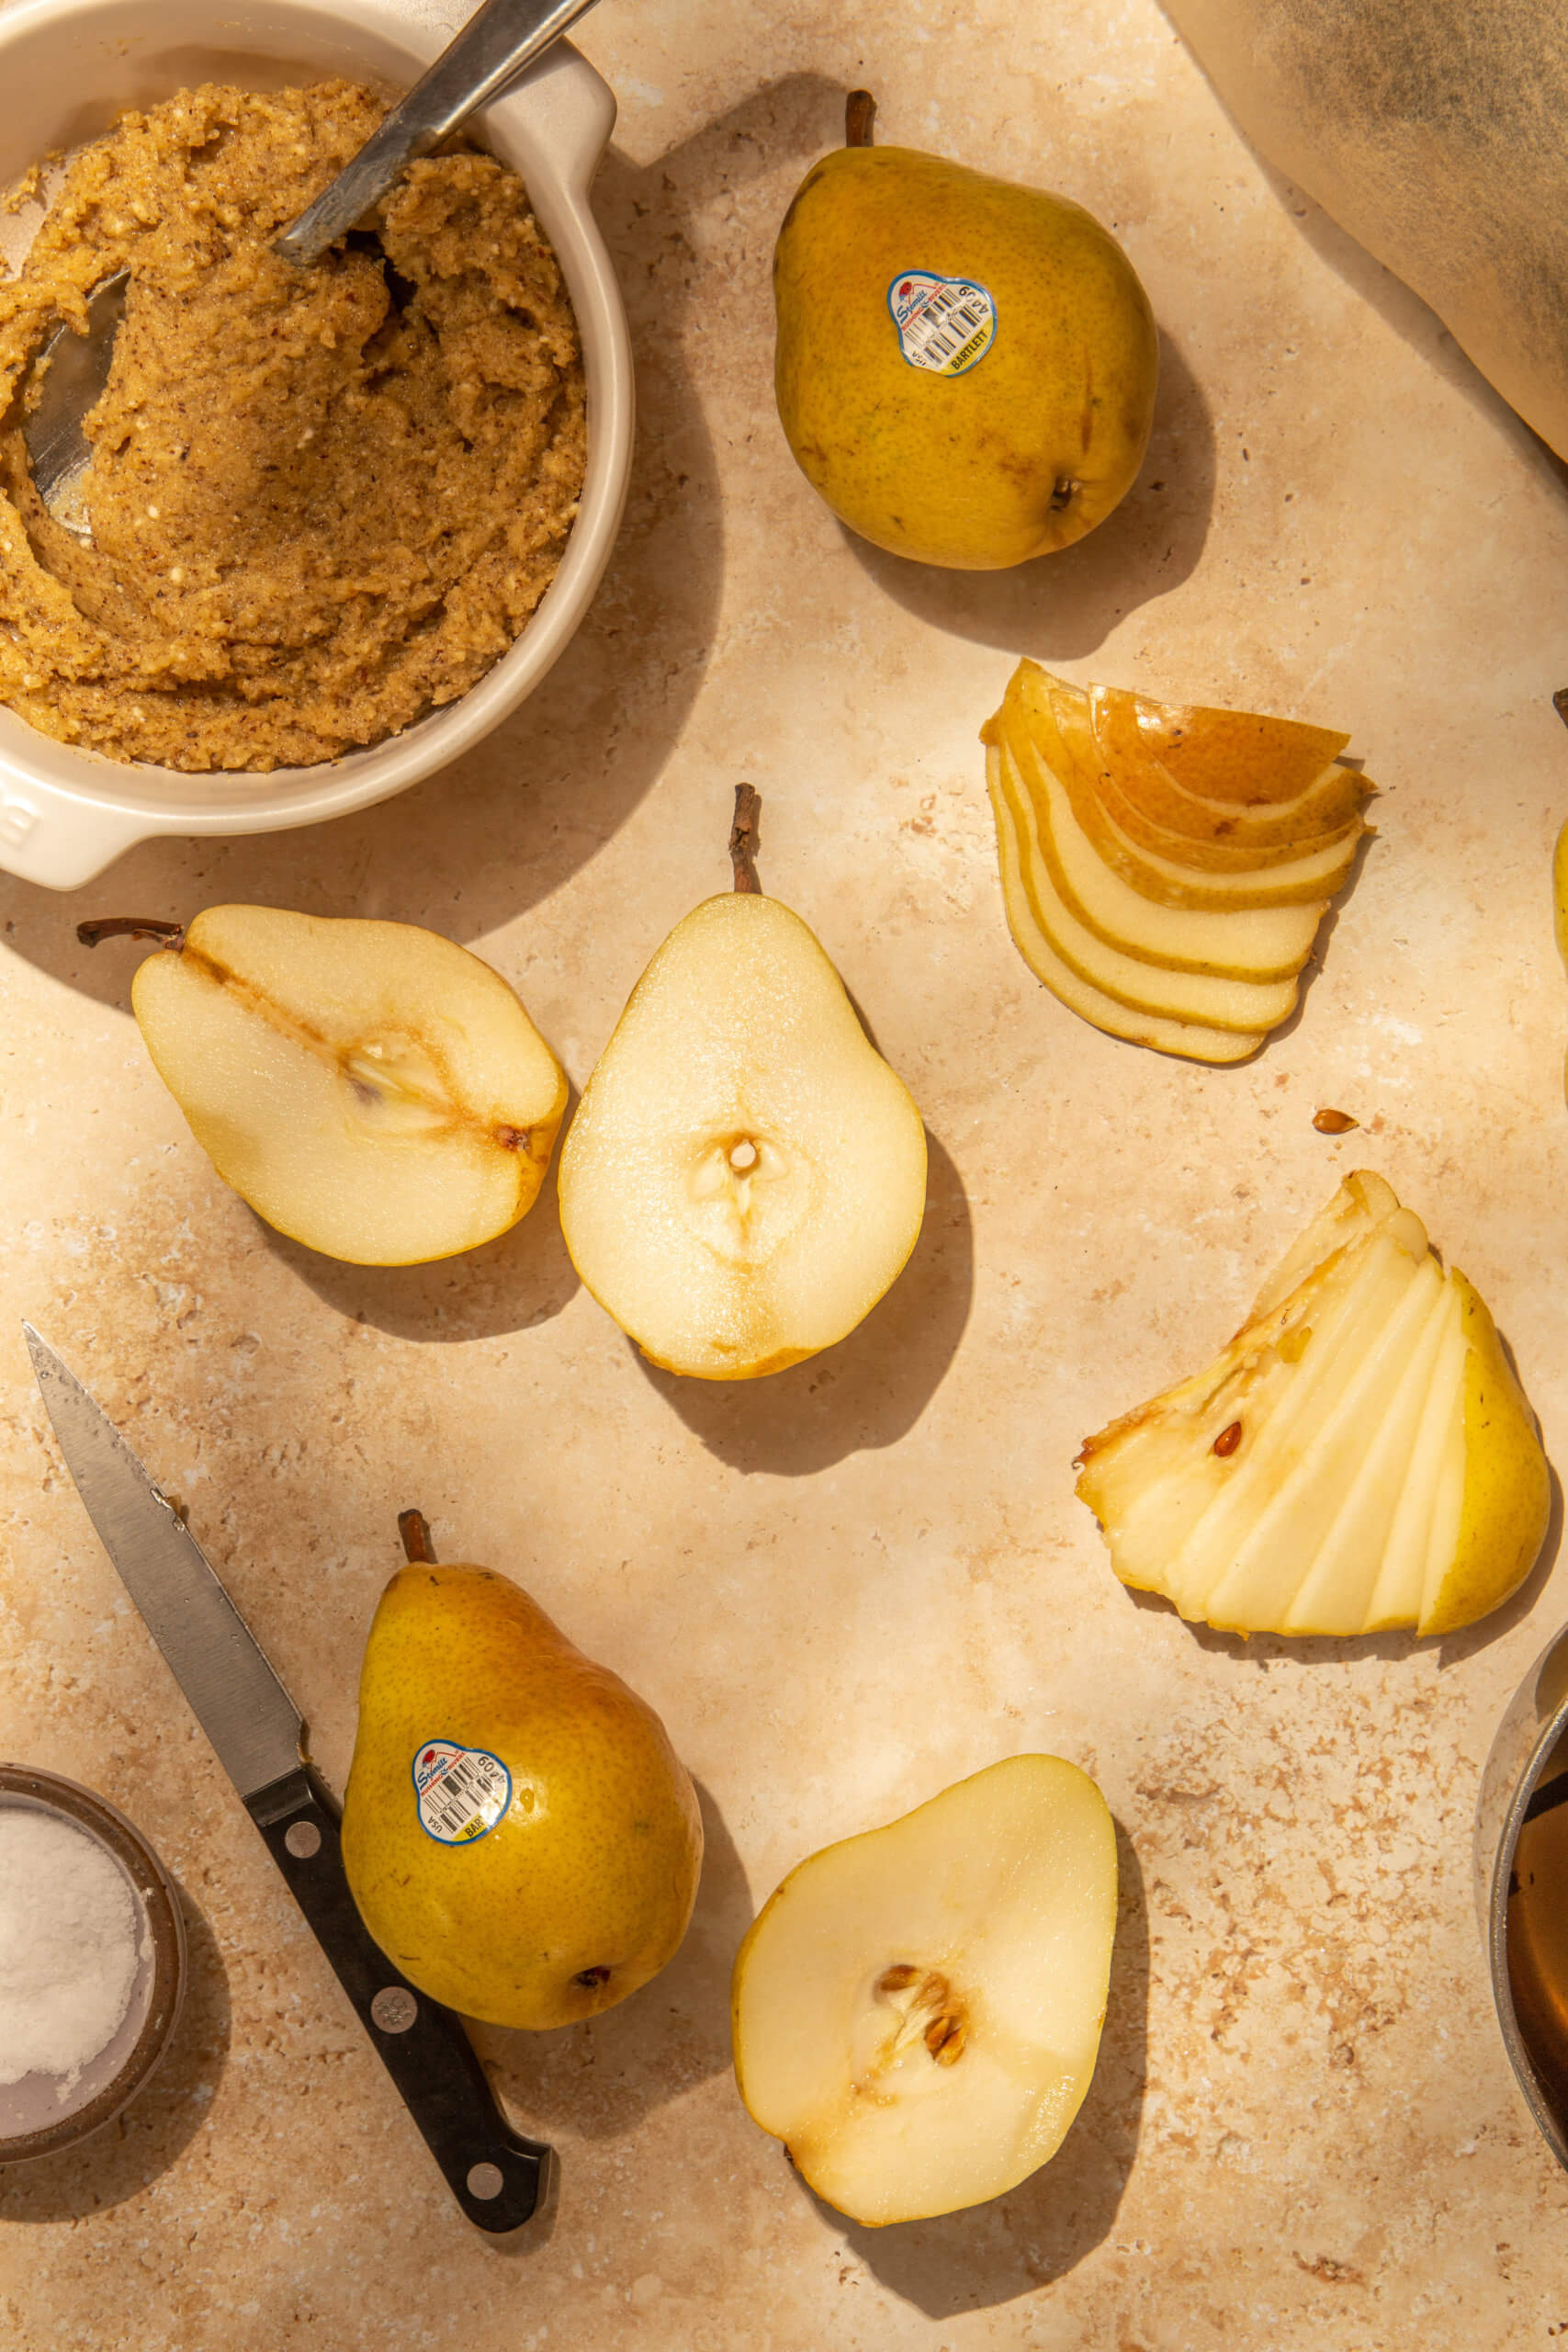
(946, 324)
(462, 1791)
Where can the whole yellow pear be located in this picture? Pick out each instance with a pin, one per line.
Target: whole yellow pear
(965, 368)
(518, 1832)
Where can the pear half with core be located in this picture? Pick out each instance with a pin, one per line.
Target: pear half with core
(965, 368)
(369, 1087)
(518, 1833)
(745, 1175)
(1359, 1457)
(916, 2010)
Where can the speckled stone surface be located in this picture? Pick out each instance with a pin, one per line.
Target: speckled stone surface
(849, 1584)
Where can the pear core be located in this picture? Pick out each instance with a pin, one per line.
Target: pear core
(745, 1175)
(578, 1888)
(916, 2010)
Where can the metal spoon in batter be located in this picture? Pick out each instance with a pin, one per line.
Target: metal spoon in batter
(493, 48)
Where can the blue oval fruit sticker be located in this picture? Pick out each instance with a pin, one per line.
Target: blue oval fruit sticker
(462, 1791)
(945, 324)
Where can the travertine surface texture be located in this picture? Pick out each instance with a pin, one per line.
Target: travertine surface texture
(847, 1585)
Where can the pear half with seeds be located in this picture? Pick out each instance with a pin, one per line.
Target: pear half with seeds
(1359, 1457)
(745, 1175)
(916, 2010)
(371, 1089)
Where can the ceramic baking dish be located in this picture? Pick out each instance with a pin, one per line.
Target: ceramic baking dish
(67, 67)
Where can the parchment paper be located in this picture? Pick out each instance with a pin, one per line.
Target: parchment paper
(1437, 135)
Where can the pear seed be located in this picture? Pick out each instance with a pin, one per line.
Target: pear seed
(1334, 1122)
(944, 2039)
(1228, 1440)
(898, 1979)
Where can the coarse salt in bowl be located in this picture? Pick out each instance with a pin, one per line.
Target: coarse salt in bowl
(67, 67)
(92, 1961)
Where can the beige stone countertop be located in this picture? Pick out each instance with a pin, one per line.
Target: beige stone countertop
(849, 1584)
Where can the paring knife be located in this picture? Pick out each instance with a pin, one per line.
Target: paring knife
(496, 2176)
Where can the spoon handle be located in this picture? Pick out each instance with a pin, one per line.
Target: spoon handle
(490, 52)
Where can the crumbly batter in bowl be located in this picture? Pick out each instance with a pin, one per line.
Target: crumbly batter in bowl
(322, 502)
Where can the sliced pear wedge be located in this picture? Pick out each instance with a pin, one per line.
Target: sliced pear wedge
(1098, 883)
(1360, 1456)
(371, 1089)
(1215, 998)
(1305, 880)
(1118, 1019)
(1244, 756)
(917, 2011)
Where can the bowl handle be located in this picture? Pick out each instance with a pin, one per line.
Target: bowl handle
(54, 837)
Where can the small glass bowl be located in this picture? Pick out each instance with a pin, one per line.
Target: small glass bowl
(38, 2115)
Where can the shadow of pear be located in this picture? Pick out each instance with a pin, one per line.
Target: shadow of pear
(597, 2080)
(141, 2142)
(869, 1390)
(1063, 607)
(992, 2254)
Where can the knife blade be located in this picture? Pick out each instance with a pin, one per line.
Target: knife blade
(497, 2176)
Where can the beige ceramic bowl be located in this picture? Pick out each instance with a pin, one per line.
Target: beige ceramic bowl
(39, 2116)
(66, 69)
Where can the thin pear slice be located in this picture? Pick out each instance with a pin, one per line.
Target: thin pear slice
(1245, 1560)
(1402, 1578)
(371, 1089)
(1505, 1489)
(1382, 1466)
(1257, 944)
(1302, 881)
(1152, 1475)
(1166, 1036)
(1336, 796)
(1363, 1201)
(1338, 1591)
(1124, 802)
(1214, 999)
(916, 2010)
(1244, 756)
(745, 1175)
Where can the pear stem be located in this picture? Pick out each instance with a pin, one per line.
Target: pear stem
(860, 113)
(743, 840)
(414, 1529)
(168, 934)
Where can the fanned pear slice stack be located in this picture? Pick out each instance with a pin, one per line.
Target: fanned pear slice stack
(1359, 1457)
(1166, 868)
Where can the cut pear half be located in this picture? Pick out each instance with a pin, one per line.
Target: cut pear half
(1359, 1457)
(371, 1089)
(1189, 1039)
(917, 2011)
(745, 1175)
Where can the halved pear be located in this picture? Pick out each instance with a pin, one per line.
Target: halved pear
(369, 1087)
(1360, 1456)
(745, 1175)
(1215, 998)
(916, 2010)
(1118, 1020)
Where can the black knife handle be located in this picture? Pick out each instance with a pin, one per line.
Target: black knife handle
(496, 2176)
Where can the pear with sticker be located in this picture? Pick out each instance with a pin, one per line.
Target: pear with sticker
(964, 368)
(518, 1832)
